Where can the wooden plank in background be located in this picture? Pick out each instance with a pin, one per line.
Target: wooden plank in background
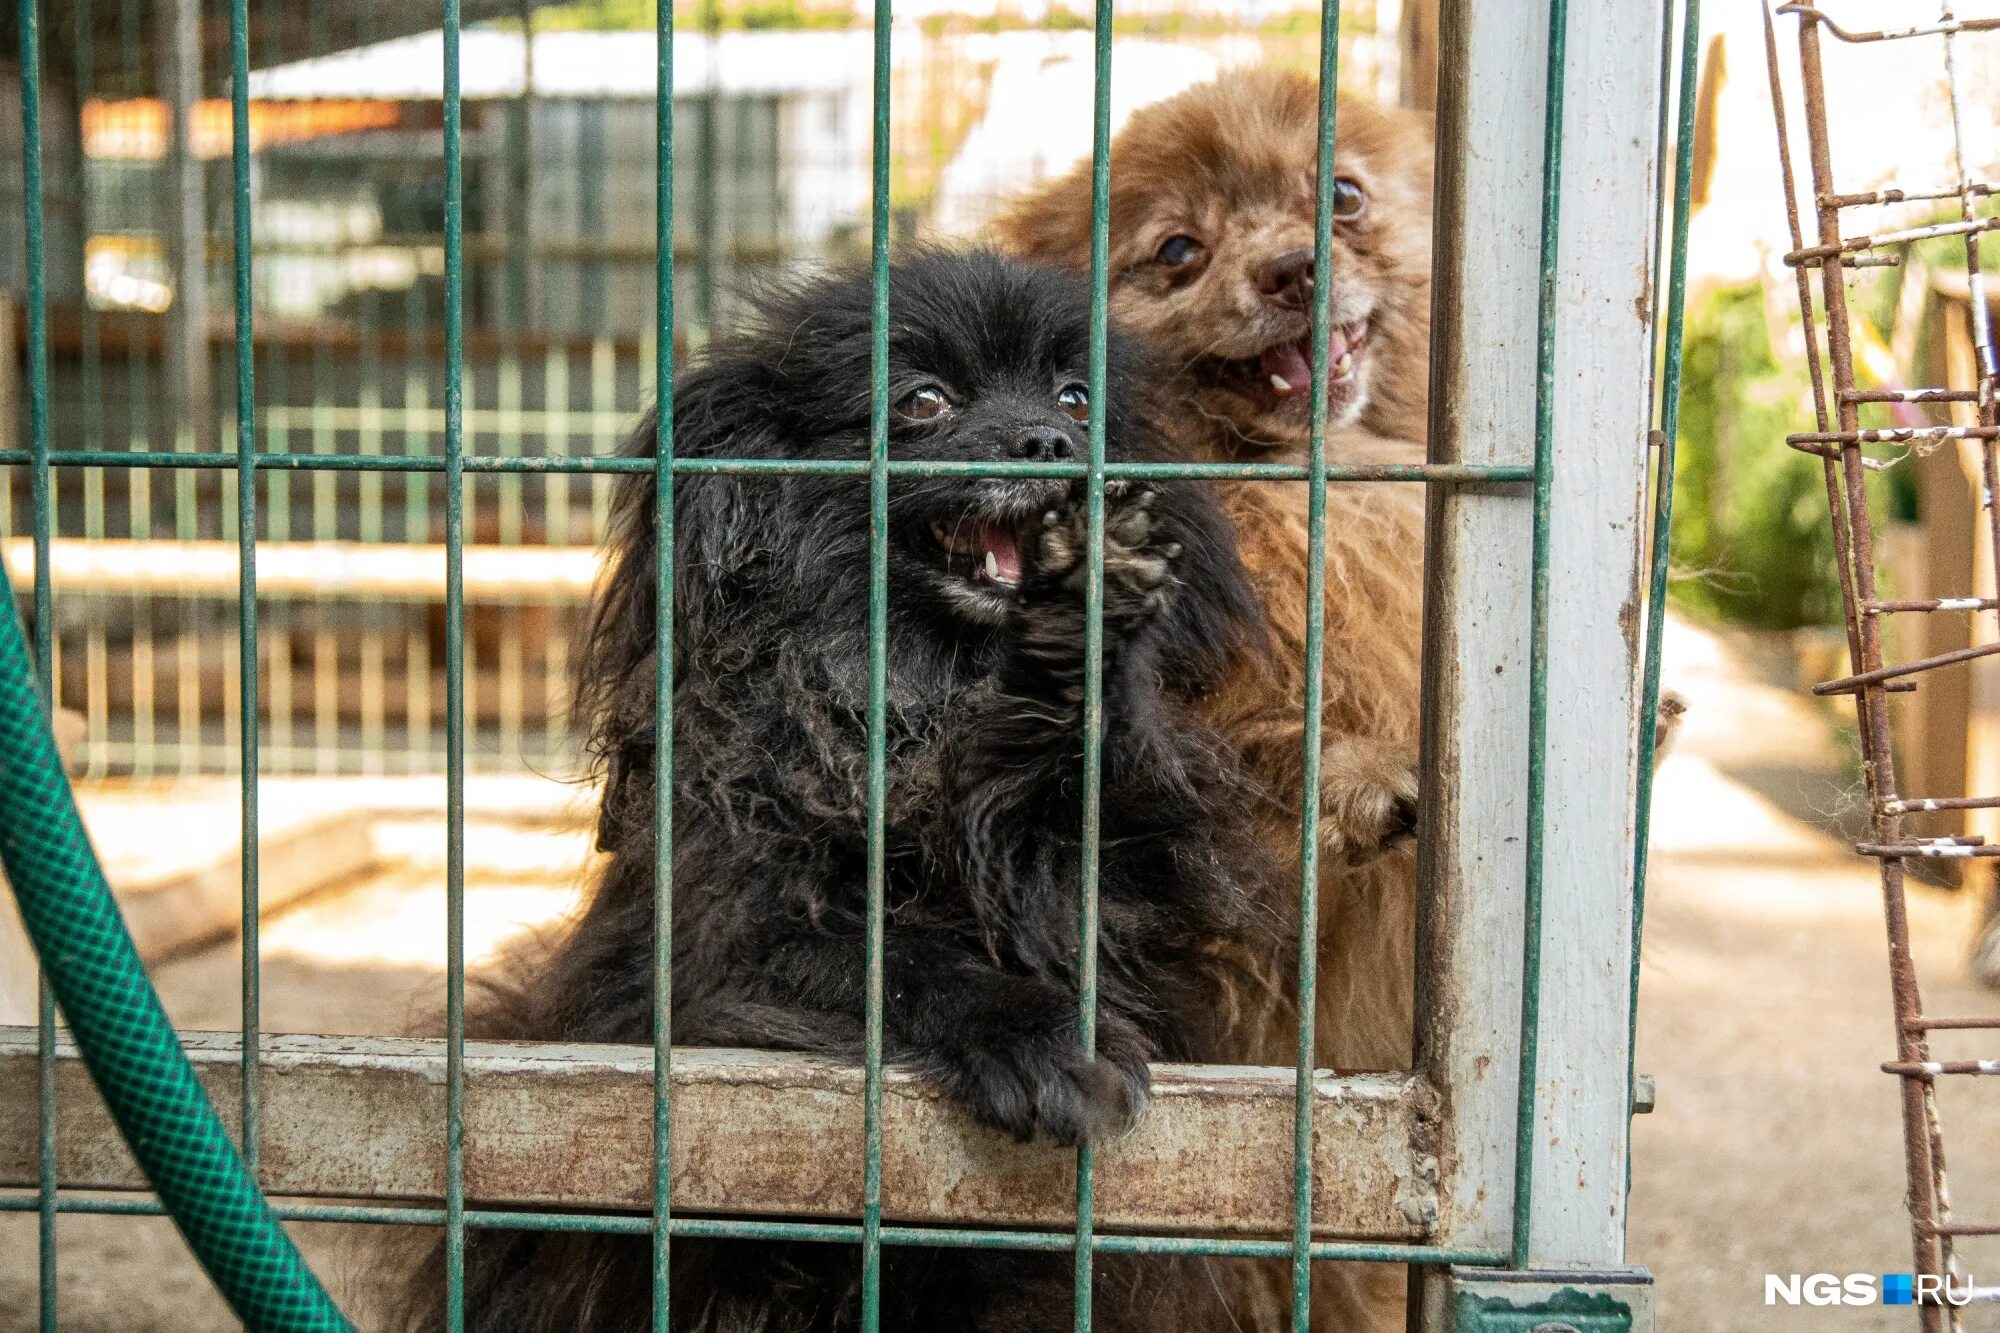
(308, 569)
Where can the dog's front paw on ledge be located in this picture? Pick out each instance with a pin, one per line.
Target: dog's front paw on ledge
(1023, 1072)
(1368, 798)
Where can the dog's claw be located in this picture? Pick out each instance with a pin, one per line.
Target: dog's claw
(1171, 550)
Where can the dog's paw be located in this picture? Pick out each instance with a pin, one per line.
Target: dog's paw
(1138, 561)
(1040, 1083)
(1368, 797)
(1666, 723)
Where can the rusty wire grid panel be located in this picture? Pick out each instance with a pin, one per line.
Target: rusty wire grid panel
(1849, 452)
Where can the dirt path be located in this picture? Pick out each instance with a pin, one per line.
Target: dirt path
(1764, 1017)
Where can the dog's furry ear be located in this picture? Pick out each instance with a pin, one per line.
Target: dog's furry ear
(1051, 224)
(719, 412)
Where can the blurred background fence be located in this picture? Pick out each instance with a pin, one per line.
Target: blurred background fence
(347, 200)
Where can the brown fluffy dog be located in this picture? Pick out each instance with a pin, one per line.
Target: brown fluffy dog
(1212, 202)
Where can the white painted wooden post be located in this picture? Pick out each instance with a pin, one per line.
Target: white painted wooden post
(1602, 413)
(1490, 122)
(1471, 846)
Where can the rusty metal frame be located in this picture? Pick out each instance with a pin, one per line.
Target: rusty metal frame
(1838, 442)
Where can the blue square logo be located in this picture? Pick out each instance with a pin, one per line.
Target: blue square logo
(1896, 1289)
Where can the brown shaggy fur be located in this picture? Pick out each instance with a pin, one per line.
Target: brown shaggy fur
(1232, 164)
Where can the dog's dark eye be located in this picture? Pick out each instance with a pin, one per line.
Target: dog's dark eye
(924, 404)
(1075, 400)
(1178, 251)
(1349, 199)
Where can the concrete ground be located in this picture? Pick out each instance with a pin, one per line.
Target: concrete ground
(1765, 1015)
(1764, 1018)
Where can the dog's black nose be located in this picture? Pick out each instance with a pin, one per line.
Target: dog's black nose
(1287, 279)
(1043, 444)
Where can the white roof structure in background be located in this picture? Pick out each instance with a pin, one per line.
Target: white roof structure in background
(492, 63)
(1037, 121)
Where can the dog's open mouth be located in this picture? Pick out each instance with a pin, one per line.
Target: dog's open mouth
(981, 550)
(1283, 371)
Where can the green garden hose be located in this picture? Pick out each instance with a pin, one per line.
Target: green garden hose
(118, 1023)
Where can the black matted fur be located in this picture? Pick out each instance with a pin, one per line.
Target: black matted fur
(983, 791)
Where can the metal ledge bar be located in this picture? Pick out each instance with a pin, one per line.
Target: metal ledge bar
(1911, 805)
(1471, 473)
(1868, 259)
(1889, 34)
(1942, 850)
(1848, 684)
(1970, 190)
(1915, 804)
(742, 1229)
(1852, 244)
(1940, 1068)
(761, 1134)
(1934, 604)
(1896, 435)
(1909, 395)
(1921, 1024)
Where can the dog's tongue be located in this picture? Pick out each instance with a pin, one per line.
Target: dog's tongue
(1286, 370)
(1000, 554)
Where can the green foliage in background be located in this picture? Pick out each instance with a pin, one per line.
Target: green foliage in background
(1752, 539)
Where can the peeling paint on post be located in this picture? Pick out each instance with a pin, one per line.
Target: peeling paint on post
(1472, 837)
(1470, 845)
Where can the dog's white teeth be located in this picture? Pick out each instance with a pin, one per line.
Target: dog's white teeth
(992, 566)
(1281, 384)
(1345, 366)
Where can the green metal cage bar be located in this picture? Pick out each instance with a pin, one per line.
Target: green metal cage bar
(44, 646)
(834, 1233)
(246, 462)
(663, 662)
(246, 546)
(1309, 758)
(114, 1012)
(878, 675)
(1538, 642)
(1669, 406)
(607, 464)
(1084, 1287)
(454, 676)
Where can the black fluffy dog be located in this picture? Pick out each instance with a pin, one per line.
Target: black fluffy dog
(983, 835)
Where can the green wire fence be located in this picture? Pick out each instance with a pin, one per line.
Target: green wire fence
(276, 465)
